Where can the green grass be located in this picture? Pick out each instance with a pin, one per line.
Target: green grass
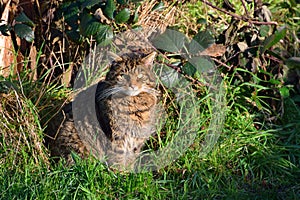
(246, 163)
(243, 166)
(251, 160)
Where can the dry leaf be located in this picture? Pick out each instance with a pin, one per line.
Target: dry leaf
(215, 50)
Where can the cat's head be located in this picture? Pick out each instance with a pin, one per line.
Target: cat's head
(132, 76)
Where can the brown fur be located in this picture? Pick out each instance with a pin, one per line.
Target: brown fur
(126, 107)
(130, 109)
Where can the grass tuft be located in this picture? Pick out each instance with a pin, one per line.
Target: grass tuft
(21, 131)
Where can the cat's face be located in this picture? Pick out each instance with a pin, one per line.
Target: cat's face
(133, 77)
(136, 80)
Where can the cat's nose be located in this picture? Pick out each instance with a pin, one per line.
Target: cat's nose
(135, 87)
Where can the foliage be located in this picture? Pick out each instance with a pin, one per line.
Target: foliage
(257, 154)
(21, 131)
(22, 26)
(25, 108)
(95, 18)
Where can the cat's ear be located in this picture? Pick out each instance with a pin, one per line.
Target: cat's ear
(148, 60)
(114, 57)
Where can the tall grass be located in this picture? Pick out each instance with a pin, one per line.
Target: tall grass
(251, 159)
(247, 162)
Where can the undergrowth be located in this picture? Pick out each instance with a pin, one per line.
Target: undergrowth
(257, 155)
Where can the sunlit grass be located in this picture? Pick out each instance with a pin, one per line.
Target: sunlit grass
(245, 162)
(251, 159)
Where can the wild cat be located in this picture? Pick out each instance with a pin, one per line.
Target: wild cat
(126, 104)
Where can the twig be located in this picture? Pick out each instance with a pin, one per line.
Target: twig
(244, 5)
(239, 52)
(221, 63)
(179, 70)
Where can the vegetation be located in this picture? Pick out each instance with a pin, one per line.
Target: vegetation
(254, 46)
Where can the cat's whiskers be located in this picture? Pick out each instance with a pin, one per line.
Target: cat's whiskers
(123, 90)
(151, 91)
(132, 91)
(108, 92)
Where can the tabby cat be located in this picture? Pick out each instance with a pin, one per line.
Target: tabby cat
(127, 109)
(127, 103)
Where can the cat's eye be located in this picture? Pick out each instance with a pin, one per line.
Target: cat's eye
(125, 77)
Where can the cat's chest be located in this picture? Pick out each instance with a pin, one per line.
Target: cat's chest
(132, 105)
(132, 115)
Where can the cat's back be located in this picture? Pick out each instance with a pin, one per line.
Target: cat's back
(62, 136)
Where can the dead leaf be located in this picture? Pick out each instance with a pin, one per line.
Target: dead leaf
(100, 16)
(215, 50)
(67, 76)
(242, 46)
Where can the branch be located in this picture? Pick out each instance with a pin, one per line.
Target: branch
(244, 5)
(238, 17)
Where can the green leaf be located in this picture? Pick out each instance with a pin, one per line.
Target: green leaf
(193, 48)
(75, 157)
(63, 8)
(4, 29)
(189, 69)
(88, 4)
(109, 9)
(284, 91)
(105, 35)
(204, 38)
(293, 63)
(89, 25)
(168, 76)
(24, 31)
(73, 21)
(201, 64)
(74, 36)
(170, 40)
(70, 14)
(273, 39)
(123, 16)
(22, 18)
